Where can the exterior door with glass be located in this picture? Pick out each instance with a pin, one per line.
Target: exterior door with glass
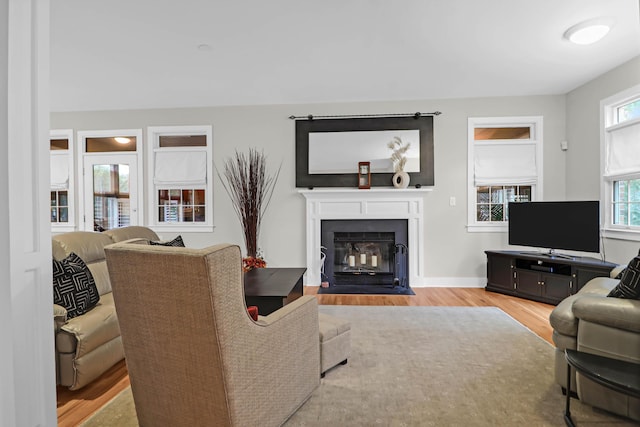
(110, 191)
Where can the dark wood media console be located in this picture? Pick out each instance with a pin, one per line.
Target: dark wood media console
(541, 277)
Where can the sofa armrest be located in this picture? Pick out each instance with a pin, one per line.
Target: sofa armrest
(617, 270)
(614, 312)
(59, 316)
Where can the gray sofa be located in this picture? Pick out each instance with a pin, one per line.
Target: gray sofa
(590, 321)
(88, 345)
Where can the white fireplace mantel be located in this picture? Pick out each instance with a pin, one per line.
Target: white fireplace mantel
(374, 203)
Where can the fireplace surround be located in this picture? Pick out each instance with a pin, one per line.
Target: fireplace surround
(375, 203)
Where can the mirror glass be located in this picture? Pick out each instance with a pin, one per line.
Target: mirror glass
(340, 152)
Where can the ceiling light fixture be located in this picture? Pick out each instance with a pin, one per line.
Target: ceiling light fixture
(122, 140)
(589, 32)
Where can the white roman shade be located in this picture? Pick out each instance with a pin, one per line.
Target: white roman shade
(623, 150)
(180, 168)
(505, 164)
(59, 172)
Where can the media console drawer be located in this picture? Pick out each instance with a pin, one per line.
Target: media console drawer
(541, 277)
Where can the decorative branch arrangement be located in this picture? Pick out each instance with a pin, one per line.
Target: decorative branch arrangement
(250, 188)
(398, 157)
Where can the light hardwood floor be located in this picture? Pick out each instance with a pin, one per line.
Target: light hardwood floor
(76, 406)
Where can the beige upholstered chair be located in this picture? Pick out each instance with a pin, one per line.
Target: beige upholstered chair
(194, 355)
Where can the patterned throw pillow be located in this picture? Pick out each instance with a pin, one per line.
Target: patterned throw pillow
(629, 286)
(175, 242)
(73, 286)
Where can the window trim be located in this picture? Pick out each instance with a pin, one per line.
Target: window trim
(535, 123)
(70, 225)
(608, 121)
(153, 137)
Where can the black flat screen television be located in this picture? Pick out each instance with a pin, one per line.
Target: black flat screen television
(573, 225)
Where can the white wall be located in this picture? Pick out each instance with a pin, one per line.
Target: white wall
(451, 251)
(583, 135)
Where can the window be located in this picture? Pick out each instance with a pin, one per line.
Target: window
(181, 167)
(62, 183)
(620, 147)
(504, 165)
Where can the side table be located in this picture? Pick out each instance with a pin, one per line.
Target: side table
(617, 375)
(272, 288)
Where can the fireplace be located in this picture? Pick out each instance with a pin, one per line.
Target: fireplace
(407, 204)
(365, 252)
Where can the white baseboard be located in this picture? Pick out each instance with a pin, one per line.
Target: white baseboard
(450, 282)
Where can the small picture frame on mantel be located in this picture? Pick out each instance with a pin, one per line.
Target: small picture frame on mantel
(364, 175)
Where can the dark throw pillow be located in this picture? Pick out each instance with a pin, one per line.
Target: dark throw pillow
(73, 286)
(175, 242)
(629, 286)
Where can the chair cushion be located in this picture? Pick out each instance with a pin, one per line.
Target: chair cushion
(629, 286)
(73, 286)
(331, 327)
(177, 242)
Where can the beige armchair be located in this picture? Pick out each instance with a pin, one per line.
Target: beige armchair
(195, 356)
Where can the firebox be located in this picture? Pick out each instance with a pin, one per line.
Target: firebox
(365, 252)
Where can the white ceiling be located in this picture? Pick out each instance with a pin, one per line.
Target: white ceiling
(128, 54)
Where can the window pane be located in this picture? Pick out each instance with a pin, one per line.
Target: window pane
(187, 214)
(111, 207)
(64, 215)
(123, 179)
(182, 141)
(62, 198)
(497, 212)
(199, 214)
(628, 111)
(187, 197)
(482, 213)
(484, 134)
(497, 195)
(524, 194)
(199, 197)
(634, 214)
(108, 144)
(59, 144)
(634, 190)
(483, 195)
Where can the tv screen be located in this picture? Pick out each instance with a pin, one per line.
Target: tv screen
(556, 225)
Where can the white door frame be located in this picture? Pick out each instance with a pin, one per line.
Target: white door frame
(138, 167)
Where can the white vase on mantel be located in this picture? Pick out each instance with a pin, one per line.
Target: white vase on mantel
(401, 179)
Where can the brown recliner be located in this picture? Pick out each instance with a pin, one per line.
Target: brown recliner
(194, 355)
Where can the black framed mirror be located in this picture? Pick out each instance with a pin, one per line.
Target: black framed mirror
(328, 150)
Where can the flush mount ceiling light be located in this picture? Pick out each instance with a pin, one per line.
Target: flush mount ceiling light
(122, 140)
(590, 31)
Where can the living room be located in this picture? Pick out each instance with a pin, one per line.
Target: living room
(453, 256)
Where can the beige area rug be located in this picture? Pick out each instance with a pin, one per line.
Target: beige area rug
(428, 366)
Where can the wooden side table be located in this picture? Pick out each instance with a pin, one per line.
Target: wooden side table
(617, 375)
(271, 288)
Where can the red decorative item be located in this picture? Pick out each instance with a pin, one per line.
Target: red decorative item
(249, 263)
(253, 312)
